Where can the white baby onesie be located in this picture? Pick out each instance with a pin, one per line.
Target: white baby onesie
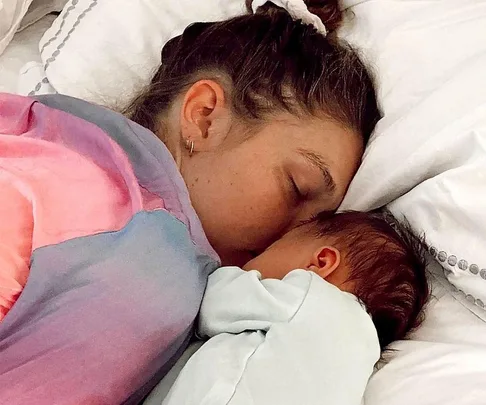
(296, 341)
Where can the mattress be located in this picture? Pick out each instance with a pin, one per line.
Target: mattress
(24, 48)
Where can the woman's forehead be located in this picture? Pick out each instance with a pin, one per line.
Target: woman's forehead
(335, 150)
(321, 136)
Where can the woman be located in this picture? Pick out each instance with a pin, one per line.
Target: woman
(264, 120)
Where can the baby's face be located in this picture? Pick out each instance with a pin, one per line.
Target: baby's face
(295, 250)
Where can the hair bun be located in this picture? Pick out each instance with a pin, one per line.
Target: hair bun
(327, 10)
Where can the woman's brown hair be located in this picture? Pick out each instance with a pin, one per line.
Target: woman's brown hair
(267, 63)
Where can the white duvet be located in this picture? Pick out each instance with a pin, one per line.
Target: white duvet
(22, 50)
(16, 15)
(11, 14)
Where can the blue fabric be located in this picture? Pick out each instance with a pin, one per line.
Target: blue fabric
(123, 299)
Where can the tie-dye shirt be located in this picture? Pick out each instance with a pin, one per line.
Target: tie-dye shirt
(103, 261)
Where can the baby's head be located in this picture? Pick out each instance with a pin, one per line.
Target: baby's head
(370, 255)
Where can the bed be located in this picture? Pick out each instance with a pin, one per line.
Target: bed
(444, 361)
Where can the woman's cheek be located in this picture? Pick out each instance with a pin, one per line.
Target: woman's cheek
(254, 213)
(270, 216)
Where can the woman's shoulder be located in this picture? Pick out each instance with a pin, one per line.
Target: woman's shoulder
(130, 153)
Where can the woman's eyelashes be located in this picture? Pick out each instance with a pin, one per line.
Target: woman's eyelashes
(297, 191)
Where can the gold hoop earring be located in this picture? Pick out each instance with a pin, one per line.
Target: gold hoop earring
(190, 146)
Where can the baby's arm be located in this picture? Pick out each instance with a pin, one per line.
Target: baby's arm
(293, 341)
(236, 301)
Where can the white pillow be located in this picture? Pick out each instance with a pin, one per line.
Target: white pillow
(105, 51)
(428, 155)
(11, 14)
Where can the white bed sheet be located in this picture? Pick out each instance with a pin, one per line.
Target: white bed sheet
(24, 48)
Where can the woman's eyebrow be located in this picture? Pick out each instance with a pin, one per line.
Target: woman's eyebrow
(318, 162)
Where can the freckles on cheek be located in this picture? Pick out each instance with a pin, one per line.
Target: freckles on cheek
(269, 218)
(257, 205)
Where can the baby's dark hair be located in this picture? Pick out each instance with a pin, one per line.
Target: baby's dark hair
(387, 265)
(267, 63)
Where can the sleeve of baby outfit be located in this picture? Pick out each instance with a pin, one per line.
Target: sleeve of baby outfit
(296, 341)
(237, 311)
(16, 227)
(324, 355)
(236, 301)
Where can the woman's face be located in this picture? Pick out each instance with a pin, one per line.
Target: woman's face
(248, 193)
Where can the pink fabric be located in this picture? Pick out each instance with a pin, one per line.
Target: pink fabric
(16, 228)
(51, 192)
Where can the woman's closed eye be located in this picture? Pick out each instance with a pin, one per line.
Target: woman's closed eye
(298, 192)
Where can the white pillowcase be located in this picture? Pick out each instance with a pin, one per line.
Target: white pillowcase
(427, 158)
(106, 51)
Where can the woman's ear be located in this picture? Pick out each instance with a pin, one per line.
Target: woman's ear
(205, 118)
(325, 261)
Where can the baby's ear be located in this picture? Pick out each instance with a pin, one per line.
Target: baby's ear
(325, 261)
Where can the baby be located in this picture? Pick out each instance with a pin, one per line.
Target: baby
(370, 255)
(348, 264)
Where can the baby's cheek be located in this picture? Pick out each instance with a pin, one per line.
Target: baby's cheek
(254, 264)
(268, 264)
